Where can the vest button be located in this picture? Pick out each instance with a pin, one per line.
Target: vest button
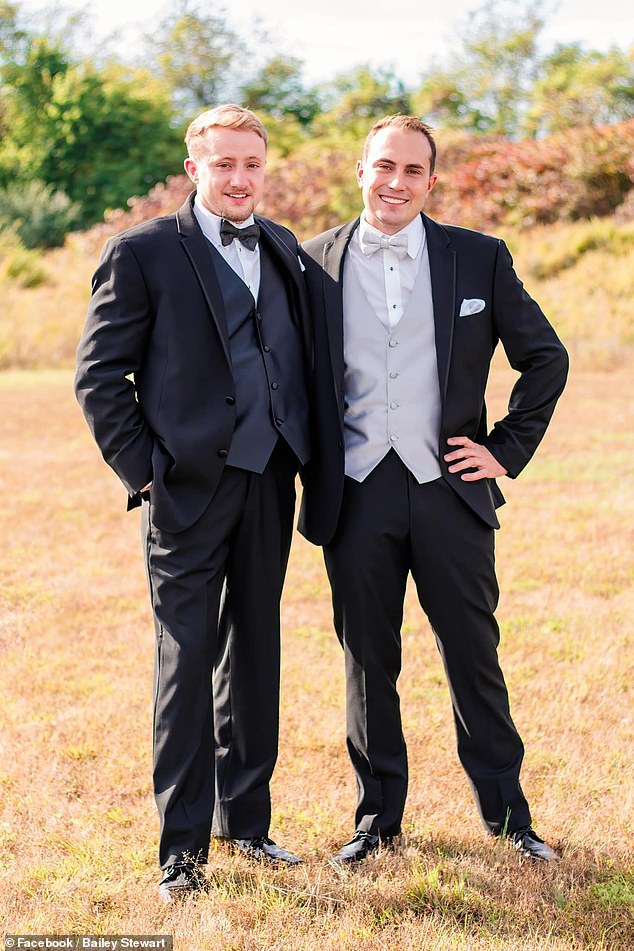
(279, 420)
(393, 343)
(266, 349)
(230, 401)
(393, 405)
(393, 437)
(393, 375)
(274, 386)
(223, 452)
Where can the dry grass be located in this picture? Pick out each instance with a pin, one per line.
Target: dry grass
(582, 274)
(77, 820)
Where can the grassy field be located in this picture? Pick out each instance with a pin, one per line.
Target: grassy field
(78, 828)
(582, 274)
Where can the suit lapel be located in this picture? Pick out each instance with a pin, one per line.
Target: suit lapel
(442, 265)
(290, 267)
(332, 263)
(282, 252)
(196, 248)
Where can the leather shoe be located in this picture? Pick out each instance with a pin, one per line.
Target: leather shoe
(179, 881)
(358, 848)
(528, 843)
(264, 850)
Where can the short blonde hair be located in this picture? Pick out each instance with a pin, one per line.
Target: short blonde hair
(400, 121)
(228, 116)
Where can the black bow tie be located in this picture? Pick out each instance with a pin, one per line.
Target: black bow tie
(248, 236)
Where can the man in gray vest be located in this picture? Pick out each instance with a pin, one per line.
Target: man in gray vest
(191, 375)
(407, 316)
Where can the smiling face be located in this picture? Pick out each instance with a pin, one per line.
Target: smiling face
(395, 178)
(229, 171)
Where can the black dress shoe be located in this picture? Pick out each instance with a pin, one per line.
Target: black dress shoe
(528, 843)
(264, 850)
(358, 848)
(181, 880)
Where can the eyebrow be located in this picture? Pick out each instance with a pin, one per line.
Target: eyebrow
(236, 158)
(389, 161)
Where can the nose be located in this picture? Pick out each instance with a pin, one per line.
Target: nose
(239, 176)
(395, 181)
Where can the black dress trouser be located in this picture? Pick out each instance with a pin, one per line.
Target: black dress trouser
(391, 525)
(215, 591)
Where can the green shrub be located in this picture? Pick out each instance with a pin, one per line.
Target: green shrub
(40, 215)
(22, 265)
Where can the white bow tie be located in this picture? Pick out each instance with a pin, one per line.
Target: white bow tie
(371, 242)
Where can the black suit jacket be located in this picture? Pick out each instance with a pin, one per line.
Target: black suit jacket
(464, 265)
(153, 365)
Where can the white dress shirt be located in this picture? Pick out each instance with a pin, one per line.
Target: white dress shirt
(387, 279)
(245, 263)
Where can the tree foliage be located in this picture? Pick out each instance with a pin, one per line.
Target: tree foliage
(484, 88)
(500, 81)
(355, 99)
(576, 87)
(39, 215)
(199, 56)
(278, 90)
(98, 136)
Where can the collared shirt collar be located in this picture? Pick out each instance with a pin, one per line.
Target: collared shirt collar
(210, 223)
(414, 230)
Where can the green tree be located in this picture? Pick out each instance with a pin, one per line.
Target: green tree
(578, 87)
(99, 136)
(485, 88)
(198, 55)
(12, 37)
(355, 99)
(37, 213)
(278, 90)
(108, 136)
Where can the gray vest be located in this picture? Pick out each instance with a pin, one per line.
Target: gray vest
(268, 366)
(392, 393)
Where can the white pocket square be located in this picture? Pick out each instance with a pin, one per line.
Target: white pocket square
(471, 306)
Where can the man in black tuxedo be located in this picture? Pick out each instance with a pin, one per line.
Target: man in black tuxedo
(191, 375)
(407, 316)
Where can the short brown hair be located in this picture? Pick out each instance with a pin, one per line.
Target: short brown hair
(228, 116)
(412, 123)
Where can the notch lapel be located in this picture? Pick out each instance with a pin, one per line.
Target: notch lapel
(442, 266)
(197, 249)
(283, 253)
(332, 263)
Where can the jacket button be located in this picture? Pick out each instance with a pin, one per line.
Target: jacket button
(230, 401)
(223, 452)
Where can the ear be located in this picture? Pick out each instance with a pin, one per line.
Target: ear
(432, 182)
(192, 169)
(360, 174)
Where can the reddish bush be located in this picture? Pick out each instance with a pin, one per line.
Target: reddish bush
(483, 183)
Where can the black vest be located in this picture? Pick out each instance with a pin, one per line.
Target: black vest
(268, 366)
